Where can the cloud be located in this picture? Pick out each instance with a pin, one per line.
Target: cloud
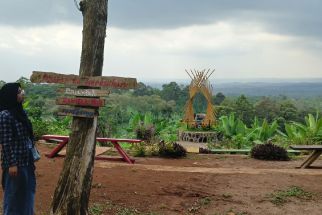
(22, 50)
(235, 51)
(296, 17)
(152, 39)
(38, 13)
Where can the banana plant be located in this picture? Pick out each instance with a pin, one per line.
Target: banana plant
(308, 133)
(231, 127)
(262, 132)
(142, 125)
(134, 121)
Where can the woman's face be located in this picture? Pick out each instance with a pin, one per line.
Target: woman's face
(20, 95)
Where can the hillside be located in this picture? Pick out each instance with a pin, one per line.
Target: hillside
(295, 89)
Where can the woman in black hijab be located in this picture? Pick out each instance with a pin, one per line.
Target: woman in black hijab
(16, 139)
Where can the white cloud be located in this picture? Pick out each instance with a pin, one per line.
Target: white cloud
(235, 50)
(37, 40)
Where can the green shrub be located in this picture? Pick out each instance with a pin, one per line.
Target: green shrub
(171, 150)
(269, 151)
(40, 127)
(145, 132)
(152, 150)
(50, 126)
(139, 150)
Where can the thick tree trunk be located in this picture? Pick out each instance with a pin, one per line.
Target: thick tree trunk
(72, 193)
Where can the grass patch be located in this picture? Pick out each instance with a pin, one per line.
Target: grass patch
(130, 211)
(282, 196)
(96, 209)
(127, 211)
(99, 209)
(202, 202)
(205, 201)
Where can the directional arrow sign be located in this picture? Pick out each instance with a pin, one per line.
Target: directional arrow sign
(81, 101)
(77, 111)
(83, 92)
(97, 81)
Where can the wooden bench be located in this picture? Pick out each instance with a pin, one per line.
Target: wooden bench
(63, 140)
(316, 152)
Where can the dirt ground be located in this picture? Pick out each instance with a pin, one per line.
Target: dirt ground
(198, 184)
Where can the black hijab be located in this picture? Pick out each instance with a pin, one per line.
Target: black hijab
(8, 101)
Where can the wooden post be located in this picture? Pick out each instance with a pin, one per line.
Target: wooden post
(72, 192)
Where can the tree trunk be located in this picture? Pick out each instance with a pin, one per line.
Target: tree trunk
(72, 193)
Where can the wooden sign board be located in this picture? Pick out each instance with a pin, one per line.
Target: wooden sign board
(92, 102)
(97, 81)
(77, 111)
(83, 92)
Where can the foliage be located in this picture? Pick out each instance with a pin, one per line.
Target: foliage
(240, 141)
(175, 92)
(218, 98)
(308, 133)
(244, 110)
(282, 196)
(241, 135)
(143, 90)
(171, 150)
(230, 126)
(96, 209)
(267, 109)
(152, 150)
(43, 124)
(288, 111)
(167, 129)
(115, 118)
(54, 126)
(143, 126)
(269, 151)
(139, 150)
(144, 132)
(289, 120)
(262, 132)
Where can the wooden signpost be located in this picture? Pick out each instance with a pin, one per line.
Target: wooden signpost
(92, 102)
(76, 111)
(83, 92)
(87, 101)
(75, 80)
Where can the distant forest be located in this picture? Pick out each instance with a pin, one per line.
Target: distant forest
(296, 89)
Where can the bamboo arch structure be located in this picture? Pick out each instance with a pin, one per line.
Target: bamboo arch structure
(200, 83)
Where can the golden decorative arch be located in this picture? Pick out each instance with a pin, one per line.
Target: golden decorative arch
(200, 83)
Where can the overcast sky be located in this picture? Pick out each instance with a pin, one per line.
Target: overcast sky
(159, 39)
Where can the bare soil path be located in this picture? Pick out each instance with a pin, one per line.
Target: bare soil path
(198, 184)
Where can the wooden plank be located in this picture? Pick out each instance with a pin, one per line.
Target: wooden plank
(101, 150)
(307, 147)
(98, 151)
(76, 111)
(315, 155)
(230, 150)
(107, 139)
(84, 92)
(92, 102)
(98, 81)
(192, 149)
